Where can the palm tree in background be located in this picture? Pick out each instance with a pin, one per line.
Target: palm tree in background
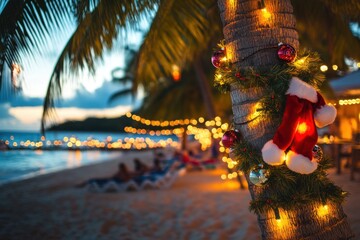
(180, 32)
(174, 98)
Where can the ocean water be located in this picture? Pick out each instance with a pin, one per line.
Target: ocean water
(21, 164)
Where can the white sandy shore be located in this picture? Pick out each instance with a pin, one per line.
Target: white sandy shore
(199, 205)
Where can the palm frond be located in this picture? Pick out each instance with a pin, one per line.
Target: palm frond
(348, 9)
(119, 94)
(325, 27)
(179, 31)
(97, 29)
(25, 25)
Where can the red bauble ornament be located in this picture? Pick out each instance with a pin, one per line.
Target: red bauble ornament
(238, 75)
(286, 52)
(218, 58)
(230, 137)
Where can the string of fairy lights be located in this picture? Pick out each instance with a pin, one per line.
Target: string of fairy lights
(353, 101)
(202, 129)
(73, 143)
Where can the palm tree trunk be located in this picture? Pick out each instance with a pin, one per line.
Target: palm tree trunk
(248, 33)
(184, 140)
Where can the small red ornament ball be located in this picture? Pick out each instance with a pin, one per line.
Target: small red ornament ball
(217, 58)
(229, 138)
(286, 52)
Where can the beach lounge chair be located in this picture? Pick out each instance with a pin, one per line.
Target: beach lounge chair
(165, 178)
(112, 185)
(155, 180)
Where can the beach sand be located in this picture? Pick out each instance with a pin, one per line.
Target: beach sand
(198, 205)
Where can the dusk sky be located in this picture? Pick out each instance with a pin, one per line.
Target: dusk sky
(87, 97)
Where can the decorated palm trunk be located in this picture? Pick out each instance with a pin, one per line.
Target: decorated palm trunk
(276, 109)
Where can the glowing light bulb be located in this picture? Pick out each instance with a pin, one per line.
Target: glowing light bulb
(323, 68)
(302, 128)
(323, 210)
(266, 13)
(176, 72)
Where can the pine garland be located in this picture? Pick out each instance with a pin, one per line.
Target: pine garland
(274, 82)
(285, 189)
(306, 67)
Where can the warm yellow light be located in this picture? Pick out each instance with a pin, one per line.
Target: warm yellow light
(266, 13)
(255, 111)
(224, 126)
(300, 61)
(302, 128)
(323, 68)
(223, 176)
(349, 101)
(358, 64)
(335, 67)
(176, 72)
(323, 210)
(222, 149)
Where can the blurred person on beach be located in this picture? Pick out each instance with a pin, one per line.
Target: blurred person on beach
(215, 149)
(198, 161)
(188, 159)
(140, 168)
(122, 175)
(157, 166)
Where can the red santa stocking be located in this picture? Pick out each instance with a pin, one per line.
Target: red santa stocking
(297, 133)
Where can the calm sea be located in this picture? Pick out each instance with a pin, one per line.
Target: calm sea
(21, 164)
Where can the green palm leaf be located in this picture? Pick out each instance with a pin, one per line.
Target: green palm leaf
(25, 25)
(324, 27)
(119, 94)
(98, 26)
(179, 31)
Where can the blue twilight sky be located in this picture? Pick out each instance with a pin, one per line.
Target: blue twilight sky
(87, 97)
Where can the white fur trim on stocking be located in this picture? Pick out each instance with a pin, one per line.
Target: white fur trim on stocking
(272, 154)
(302, 90)
(300, 164)
(325, 115)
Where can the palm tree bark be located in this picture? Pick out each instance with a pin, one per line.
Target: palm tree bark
(251, 40)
